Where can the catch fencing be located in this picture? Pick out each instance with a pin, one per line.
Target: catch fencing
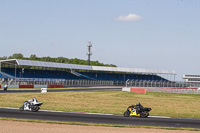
(128, 83)
(151, 86)
(66, 83)
(175, 90)
(145, 83)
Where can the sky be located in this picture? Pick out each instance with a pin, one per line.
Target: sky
(150, 34)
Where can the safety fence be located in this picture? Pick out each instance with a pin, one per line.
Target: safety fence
(145, 83)
(66, 83)
(175, 90)
(128, 83)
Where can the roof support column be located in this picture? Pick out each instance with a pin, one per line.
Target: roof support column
(174, 77)
(15, 72)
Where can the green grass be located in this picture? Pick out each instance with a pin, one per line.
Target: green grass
(94, 124)
(114, 102)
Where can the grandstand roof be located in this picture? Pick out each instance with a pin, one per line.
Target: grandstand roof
(83, 67)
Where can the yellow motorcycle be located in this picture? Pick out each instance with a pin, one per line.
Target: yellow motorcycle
(138, 112)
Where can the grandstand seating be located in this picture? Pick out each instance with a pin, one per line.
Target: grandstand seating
(122, 76)
(91, 75)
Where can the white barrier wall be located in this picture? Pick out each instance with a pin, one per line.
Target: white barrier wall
(126, 89)
(12, 86)
(40, 86)
(17, 86)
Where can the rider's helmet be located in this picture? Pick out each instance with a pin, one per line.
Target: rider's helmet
(138, 104)
(34, 99)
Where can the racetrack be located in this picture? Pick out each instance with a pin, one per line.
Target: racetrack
(100, 118)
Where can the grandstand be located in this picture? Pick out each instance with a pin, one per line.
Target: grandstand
(22, 69)
(191, 78)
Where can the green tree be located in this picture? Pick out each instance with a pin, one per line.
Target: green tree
(33, 57)
(16, 56)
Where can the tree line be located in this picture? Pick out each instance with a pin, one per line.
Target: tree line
(57, 60)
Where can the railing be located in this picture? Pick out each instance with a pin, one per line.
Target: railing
(148, 83)
(66, 83)
(72, 82)
(7, 75)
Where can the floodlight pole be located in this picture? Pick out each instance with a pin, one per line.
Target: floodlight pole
(89, 53)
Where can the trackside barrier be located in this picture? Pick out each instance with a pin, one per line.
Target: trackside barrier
(12, 86)
(138, 90)
(33, 86)
(174, 90)
(126, 89)
(40, 86)
(179, 88)
(26, 86)
(55, 86)
(135, 90)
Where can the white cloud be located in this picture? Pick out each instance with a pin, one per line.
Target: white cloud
(130, 17)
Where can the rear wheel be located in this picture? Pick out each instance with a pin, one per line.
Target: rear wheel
(126, 114)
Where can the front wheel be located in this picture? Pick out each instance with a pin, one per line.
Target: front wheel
(21, 108)
(34, 108)
(126, 114)
(144, 114)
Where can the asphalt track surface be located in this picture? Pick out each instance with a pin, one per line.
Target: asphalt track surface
(99, 118)
(59, 90)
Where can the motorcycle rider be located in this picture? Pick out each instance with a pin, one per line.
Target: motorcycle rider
(139, 108)
(34, 100)
(132, 108)
(5, 87)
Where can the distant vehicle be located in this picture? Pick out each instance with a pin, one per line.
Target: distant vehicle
(31, 105)
(5, 87)
(137, 110)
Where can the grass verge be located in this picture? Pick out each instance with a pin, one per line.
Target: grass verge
(94, 124)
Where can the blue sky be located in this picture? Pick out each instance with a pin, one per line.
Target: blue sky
(152, 34)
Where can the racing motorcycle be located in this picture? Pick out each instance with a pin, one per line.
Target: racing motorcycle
(31, 105)
(133, 111)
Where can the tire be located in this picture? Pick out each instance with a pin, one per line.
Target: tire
(147, 114)
(21, 108)
(144, 114)
(126, 114)
(34, 108)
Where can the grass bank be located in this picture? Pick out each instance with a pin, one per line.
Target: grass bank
(115, 102)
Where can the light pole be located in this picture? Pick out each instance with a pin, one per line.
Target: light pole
(89, 53)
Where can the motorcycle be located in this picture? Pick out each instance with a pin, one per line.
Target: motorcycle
(31, 105)
(132, 111)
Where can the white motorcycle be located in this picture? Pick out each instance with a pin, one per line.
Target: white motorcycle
(31, 105)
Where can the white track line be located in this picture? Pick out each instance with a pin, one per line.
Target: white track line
(160, 117)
